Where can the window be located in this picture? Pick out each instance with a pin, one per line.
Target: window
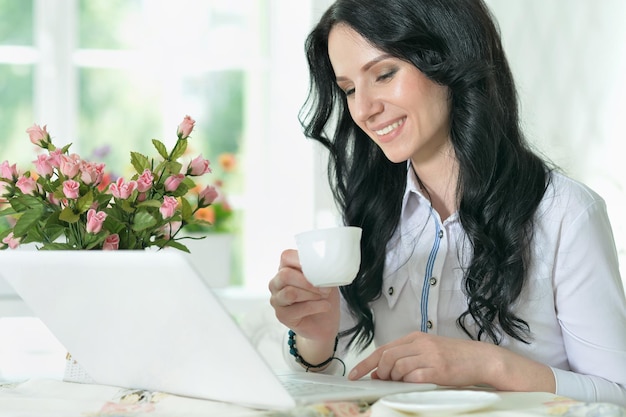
(17, 59)
(113, 74)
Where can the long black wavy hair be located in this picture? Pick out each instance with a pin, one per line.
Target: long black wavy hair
(501, 180)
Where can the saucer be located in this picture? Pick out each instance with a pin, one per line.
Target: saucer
(440, 402)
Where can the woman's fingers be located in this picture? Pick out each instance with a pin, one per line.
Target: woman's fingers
(366, 366)
(382, 361)
(289, 287)
(297, 303)
(400, 360)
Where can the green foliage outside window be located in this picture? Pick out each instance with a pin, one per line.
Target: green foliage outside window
(16, 111)
(16, 22)
(108, 24)
(16, 80)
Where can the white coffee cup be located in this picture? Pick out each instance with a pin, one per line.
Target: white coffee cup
(330, 257)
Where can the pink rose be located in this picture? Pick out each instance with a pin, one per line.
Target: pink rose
(52, 199)
(71, 189)
(8, 171)
(170, 229)
(121, 189)
(27, 185)
(70, 165)
(43, 165)
(207, 196)
(185, 127)
(91, 172)
(173, 181)
(38, 135)
(112, 242)
(144, 182)
(95, 220)
(198, 166)
(55, 158)
(168, 207)
(11, 241)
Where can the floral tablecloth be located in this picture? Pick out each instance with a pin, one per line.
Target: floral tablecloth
(53, 398)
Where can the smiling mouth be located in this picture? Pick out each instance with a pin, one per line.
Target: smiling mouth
(388, 129)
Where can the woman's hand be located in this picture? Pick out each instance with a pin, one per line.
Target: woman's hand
(425, 358)
(311, 312)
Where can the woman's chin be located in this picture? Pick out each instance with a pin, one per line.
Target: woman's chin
(396, 157)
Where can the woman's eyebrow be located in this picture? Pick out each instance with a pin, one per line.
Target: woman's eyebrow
(367, 66)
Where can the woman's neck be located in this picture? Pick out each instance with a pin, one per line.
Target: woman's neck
(439, 177)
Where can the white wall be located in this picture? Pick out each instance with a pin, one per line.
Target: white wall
(569, 60)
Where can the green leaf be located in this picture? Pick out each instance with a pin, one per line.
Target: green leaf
(171, 243)
(54, 232)
(113, 225)
(33, 235)
(68, 215)
(5, 234)
(179, 149)
(102, 199)
(24, 203)
(9, 211)
(126, 205)
(181, 190)
(189, 182)
(150, 203)
(140, 162)
(84, 203)
(28, 220)
(160, 147)
(187, 211)
(143, 220)
(173, 167)
(95, 241)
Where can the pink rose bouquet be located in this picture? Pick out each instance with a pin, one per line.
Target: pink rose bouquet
(67, 202)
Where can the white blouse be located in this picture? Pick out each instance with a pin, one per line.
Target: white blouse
(573, 301)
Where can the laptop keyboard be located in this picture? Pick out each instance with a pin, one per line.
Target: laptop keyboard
(298, 388)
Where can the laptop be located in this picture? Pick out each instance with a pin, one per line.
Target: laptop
(147, 320)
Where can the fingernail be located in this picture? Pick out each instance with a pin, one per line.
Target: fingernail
(353, 374)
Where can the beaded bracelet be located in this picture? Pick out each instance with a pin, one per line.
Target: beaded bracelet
(293, 350)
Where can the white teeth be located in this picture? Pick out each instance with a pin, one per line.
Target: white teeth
(389, 128)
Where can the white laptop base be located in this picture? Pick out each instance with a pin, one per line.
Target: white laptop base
(142, 319)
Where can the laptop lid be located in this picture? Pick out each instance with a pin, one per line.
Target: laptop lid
(145, 319)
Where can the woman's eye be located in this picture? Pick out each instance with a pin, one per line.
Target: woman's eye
(387, 75)
(348, 91)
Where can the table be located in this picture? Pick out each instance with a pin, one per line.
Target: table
(47, 398)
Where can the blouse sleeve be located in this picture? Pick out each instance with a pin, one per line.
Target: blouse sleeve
(591, 308)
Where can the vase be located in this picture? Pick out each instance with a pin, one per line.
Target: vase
(212, 257)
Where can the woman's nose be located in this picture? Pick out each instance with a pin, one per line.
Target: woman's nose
(365, 105)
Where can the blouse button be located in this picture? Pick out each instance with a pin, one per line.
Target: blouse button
(433, 281)
(390, 291)
(429, 324)
(440, 234)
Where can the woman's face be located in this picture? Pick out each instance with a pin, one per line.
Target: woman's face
(397, 106)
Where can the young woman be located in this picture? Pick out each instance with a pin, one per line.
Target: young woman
(481, 263)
